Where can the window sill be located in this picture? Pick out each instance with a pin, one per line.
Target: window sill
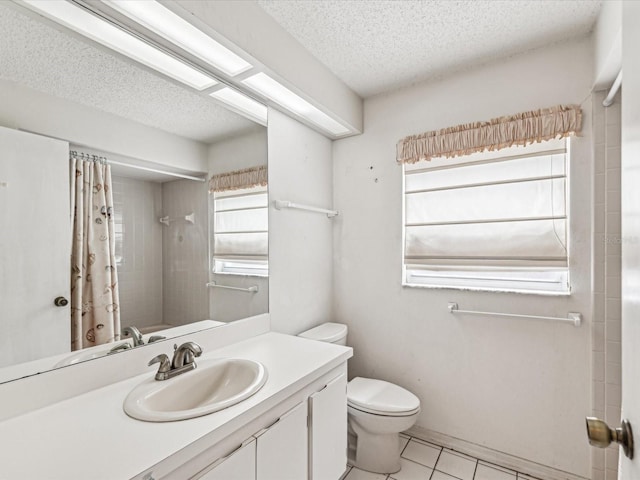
(544, 293)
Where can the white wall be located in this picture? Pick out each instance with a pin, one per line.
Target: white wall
(300, 243)
(27, 109)
(517, 386)
(237, 153)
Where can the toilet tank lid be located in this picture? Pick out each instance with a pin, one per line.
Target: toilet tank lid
(327, 332)
(380, 396)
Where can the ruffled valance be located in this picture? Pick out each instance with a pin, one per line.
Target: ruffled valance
(521, 129)
(238, 179)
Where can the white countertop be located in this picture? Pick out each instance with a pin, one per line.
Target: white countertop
(13, 372)
(90, 436)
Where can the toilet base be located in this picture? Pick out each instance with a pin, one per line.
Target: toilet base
(374, 453)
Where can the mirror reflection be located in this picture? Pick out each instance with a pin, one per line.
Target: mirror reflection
(158, 245)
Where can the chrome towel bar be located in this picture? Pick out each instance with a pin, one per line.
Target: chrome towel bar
(280, 204)
(572, 317)
(252, 289)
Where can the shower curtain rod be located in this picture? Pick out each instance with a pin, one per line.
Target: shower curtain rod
(97, 158)
(608, 101)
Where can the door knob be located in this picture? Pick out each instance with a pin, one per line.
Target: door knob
(61, 302)
(600, 435)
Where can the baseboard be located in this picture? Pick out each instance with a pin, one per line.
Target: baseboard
(492, 456)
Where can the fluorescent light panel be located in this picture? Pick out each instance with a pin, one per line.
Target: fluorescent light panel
(167, 24)
(122, 42)
(255, 110)
(270, 88)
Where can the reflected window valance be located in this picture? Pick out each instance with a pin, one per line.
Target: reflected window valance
(521, 129)
(239, 179)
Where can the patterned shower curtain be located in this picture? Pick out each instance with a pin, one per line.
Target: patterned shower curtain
(95, 317)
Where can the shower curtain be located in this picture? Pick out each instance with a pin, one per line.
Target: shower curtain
(95, 318)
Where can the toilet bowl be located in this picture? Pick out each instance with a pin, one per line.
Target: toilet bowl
(377, 410)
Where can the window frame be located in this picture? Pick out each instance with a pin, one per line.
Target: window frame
(476, 283)
(236, 266)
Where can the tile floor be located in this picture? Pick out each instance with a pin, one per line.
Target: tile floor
(425, 461)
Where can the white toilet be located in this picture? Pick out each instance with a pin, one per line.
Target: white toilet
(378, 412)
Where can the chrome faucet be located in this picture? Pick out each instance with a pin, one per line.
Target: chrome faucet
(135, 335)
(183, 360)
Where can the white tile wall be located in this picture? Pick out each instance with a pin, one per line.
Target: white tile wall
(606, 356)
(185, 253)
(137, 206)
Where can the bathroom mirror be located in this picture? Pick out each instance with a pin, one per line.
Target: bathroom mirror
(60, 85)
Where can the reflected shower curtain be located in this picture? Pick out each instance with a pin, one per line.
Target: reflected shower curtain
(95, 317)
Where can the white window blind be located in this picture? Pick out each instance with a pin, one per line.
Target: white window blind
(494, 220)
(240, 231)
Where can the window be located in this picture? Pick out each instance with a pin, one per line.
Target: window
(240, 231)
(489, 221)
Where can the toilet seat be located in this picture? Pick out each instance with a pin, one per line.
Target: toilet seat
(378, 397)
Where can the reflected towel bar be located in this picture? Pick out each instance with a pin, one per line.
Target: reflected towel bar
(253, 289)
(191, 218)
(572, 317)
(280, 204)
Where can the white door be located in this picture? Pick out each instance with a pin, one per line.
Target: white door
(281, 453)
(630, 469)
(35, 246)
(328, 431)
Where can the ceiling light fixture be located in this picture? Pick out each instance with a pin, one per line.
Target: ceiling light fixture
(101, 31)
(164, 22)
(246, 105)
(273, 90)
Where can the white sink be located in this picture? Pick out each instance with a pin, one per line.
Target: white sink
(214, 385)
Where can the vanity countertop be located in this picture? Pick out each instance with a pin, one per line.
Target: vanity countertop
(90, 436)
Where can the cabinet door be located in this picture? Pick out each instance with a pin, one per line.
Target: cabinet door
(239, 465)
(282, 448)
(328, 431)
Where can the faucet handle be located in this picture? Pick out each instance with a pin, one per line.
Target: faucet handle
(185, 354)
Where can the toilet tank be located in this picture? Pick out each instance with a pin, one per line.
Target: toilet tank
(328, 332)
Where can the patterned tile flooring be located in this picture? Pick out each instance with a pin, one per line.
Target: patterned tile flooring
(422, 460)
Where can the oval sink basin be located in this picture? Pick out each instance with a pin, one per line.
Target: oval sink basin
(214, 385)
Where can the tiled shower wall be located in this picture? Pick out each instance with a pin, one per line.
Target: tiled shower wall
(185, 252)
(162, 270)
(607, 282)
(137, 206)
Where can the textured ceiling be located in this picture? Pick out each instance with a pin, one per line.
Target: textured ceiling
(380, 45)
(46, 59)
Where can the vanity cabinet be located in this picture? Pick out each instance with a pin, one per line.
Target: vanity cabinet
(308, 440)
(278, 452)
(238, 465)
(281, 452)
(328, 430)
